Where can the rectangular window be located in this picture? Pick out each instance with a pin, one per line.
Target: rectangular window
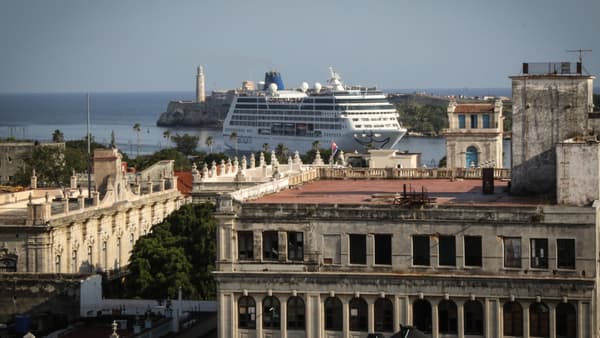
(421, 250)
(383, 249)
(358, 249)
(539, 253)
(332, 248)
(270, 245)
(447, 251)
(473, 251)
(486, 120)
(565, 252)
(512, 252)
(245, 245)
(473, 121)
(461, 121)
(295, 246)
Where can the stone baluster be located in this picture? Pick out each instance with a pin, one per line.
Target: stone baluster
(213, 169)
(236, 164)
(244, 163)
(261, 160)
(252, 161)
(33, 180)
(221, 168)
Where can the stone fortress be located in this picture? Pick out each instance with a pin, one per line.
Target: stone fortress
(326, 250)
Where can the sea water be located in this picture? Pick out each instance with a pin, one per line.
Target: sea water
(36, 116)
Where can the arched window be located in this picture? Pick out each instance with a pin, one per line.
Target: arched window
(384, 315)
(447, 317)
(566, 321)
(295, 314)
(333, 314)
(246, 313)
(472, 157)
(473, 317)
(539, 320)
(513, 319)
(271, 313)
(422, 315)
(358, 315)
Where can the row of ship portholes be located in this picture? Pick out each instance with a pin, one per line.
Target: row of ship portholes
(539, 316)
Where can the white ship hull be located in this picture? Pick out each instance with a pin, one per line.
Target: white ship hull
(352, 141)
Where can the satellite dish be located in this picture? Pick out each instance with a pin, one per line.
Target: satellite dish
(304, 87)
(318, 87)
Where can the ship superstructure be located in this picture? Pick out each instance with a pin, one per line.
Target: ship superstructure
(354, 117)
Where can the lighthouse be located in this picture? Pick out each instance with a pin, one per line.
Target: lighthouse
(200, 97)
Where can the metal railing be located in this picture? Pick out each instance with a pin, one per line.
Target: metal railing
(552, 68)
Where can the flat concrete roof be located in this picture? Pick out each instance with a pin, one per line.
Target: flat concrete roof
(441, 191)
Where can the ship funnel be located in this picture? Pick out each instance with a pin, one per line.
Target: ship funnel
(273, 77)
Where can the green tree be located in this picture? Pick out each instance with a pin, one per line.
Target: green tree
(265, 147)
(167, 136)
(209, 141)
(179, 252)
(281, 152)
(144, 161)
(58, 136)
(137, 128)
(185, 143)
(49, 165)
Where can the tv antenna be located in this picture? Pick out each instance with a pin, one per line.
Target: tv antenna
(580, 51)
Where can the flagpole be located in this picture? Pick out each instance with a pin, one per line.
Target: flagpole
(89, 162)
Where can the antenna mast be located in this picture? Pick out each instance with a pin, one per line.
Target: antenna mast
(89, 159)
(580, 51)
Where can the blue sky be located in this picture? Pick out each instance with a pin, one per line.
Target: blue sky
(146, 45)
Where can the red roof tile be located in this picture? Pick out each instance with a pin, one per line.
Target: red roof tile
(184, 182)
(474, 108)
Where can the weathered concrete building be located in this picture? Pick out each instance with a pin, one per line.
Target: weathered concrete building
(62, 231)
(552, 102)
(474, 135)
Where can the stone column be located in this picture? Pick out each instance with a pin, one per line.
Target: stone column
(313, 315)
(345, 316)
(525, 306)
(435, 329)
(259, 314)
(371, 311)
(552, 319)
(460, 318)
(283, 316)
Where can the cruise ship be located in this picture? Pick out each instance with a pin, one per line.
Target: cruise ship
(354, 118)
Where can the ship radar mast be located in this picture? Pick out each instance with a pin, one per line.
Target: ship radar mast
(335, 80)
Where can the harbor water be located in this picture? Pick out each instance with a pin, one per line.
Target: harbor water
(36, 116)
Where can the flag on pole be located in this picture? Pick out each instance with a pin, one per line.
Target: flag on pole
(334, 149)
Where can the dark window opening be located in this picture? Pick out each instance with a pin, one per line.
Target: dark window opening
(422, 315)
(473, 317)
(473, 251)
(383, 249)
(270, 245)
(333, 314)
(447, 251)
(245, 245)
(566, 323)
(539, 253)
(384, 315)
(358, 249)
(246, 313)
(358, 315)
(447, 316)
(565, 251)
(461, 121)
(512, 252)
(421, 250)
(295, 246)
(295, 314)
(271, 315)
(513, 319)
(473, 121)
(539, 320)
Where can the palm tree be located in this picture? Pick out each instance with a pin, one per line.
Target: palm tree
(137, 128)
(281, 152)
(316, 145)
(58, 136)
(209, 142)
(167, 135)
(234, 138)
